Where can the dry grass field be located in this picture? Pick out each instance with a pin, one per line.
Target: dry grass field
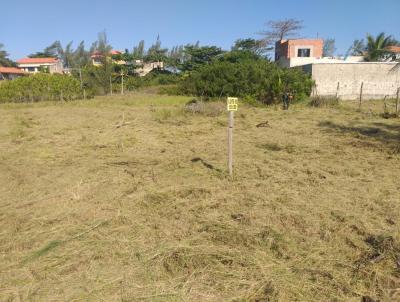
(128, 199)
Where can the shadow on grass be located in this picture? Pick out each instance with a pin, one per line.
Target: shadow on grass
(387, 134)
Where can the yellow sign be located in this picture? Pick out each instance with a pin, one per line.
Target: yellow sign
(232, 104)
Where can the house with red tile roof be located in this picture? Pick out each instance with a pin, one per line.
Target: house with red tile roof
(33, 65)
(11, 73)
(395, 51)
(97, 58)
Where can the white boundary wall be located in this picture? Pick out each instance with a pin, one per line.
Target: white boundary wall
(379, 79)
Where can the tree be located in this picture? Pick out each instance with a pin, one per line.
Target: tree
(197, 56)
(155, 53)
(138, 51)
(102, 45)
(281, 29)
(251, 45)
(81, 57)
(329, 48)
(42, 54)
(54, 50)
(70, 58)
(357, 48)
(175, 57)
(4, 60)
(377, 47)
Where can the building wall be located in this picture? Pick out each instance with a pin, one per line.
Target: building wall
(287, 49)
(56, 68)
(148, 67)
(316, 46)
(379, 79)
(294, 62)
(52, 67)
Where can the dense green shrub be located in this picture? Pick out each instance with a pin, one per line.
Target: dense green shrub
(173, 89)
(154, 78)
(246, 77)
(41, 87)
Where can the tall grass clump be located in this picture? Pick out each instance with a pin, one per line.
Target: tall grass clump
(319, 101)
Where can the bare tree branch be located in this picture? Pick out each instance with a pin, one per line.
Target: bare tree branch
(281, 29)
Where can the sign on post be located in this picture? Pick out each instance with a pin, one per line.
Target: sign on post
(232, 106)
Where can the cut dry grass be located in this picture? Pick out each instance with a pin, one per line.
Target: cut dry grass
(311, 214)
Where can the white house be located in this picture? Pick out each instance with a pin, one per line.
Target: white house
(33, 65)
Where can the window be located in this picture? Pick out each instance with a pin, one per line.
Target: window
(31, 69)
(304, 52)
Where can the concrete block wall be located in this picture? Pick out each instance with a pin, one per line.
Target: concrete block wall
(379, 79)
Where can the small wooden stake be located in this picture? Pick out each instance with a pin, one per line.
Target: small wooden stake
(122, 83)
(230, 142)
(337, 90)
(361, 94)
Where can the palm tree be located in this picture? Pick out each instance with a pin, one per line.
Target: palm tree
(377, 48)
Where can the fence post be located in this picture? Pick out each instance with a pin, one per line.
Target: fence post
(361, 94)
(122, 83)
(337, 91)
(397, 102)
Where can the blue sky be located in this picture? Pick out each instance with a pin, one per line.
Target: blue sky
(28, 26)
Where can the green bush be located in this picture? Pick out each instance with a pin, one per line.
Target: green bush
(248, 77)
(154, 78)
(41, 87)
(170, 90)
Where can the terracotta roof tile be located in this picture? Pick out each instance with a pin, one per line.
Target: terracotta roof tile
(395, 49)
(11, 70)
(37, 60)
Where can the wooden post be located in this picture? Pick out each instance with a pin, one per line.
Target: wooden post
(80, 77)
(84, 94)
(111, 92)
(397, 102)
(361, 94)
(122, 83)
(337, 90)
(230, 142)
